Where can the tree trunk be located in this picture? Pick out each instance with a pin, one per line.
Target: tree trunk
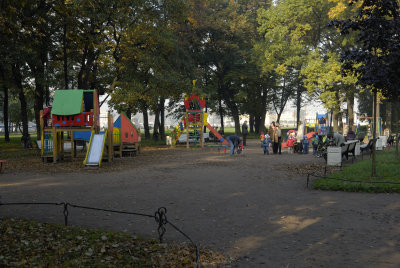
(395, 109)
(16, 70)
(378, 114)
(350, 110)
(161, 108)
(39, 93)
(335, 121)
(257, 124)
(146, 123)
(251, 123)
(65, 56)
(235, 115)
(388, 115)
(47, 95)
(128, 113)
(221, 112)
(5, 106)
(278, 117)
(5, 115)
(234, 110)
(88, 58)
(156, 125)
(263, 111)
(374, 113)
(298, 106)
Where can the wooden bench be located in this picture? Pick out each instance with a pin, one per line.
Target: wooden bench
(367, 147)
(1, 164)
(128, 150)
(219, 147)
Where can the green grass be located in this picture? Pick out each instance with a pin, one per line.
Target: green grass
(358, 176)
(15, 149)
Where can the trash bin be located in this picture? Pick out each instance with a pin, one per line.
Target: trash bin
(334, 156)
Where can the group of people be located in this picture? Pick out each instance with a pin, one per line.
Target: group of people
(272, 139)
(294, 144)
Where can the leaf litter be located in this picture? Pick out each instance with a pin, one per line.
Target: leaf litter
(32, 244)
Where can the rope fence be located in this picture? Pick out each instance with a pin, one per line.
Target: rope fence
(346, 180)
(160, 216)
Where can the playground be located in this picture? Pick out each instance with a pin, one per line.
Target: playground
(254, 209)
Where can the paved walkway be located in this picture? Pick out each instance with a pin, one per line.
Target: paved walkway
(251, 207)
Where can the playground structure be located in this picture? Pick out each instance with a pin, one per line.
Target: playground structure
(319, 124)
(379, 129)
(72, 113)
(193, 122)
(127, 140)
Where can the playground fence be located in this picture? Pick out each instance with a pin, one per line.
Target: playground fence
(159, 216)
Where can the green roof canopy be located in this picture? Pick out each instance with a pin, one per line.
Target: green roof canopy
(67, 102)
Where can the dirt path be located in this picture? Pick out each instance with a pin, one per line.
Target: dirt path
(251, 207)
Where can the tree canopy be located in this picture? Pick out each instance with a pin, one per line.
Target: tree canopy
(247, 57)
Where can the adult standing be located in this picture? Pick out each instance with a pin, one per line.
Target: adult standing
(234, 142)
(271, 129)
(279, 131)
(274, 137)
(245, 131)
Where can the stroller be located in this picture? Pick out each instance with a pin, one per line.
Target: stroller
(298, 147)
(322, 149)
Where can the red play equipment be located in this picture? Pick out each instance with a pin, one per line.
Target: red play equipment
(193, 122)
(130, 139)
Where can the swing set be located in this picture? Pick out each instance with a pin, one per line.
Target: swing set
(371, 124)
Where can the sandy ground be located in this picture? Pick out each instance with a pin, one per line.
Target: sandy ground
(254, 208)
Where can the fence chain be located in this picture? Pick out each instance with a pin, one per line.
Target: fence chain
(160, 217)
(66, 213)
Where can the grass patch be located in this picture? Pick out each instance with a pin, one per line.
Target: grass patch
(32, 244)
(14, 149)
(358, 176)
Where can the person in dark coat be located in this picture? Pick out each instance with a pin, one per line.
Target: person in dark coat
(245, 131)
(235, 142)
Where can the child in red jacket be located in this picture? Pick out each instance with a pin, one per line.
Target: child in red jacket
(290, 143)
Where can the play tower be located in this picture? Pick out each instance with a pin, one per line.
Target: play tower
(193, 122)
(74, 111)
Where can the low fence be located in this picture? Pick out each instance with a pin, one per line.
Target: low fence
(310, 175)
(160, 216)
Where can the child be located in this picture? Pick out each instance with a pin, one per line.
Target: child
(262, 137)
(265, 144)
(306, 143)
(290, 143)
(240, 148)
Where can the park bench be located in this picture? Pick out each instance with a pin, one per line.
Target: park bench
(349, 148)
(219, 147)
(129, 150)
(2, 162)
(367, 147)
(390, 141)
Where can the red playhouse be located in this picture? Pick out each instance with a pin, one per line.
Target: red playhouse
(129, 133)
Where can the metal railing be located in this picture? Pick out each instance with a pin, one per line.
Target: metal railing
(160, 216)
